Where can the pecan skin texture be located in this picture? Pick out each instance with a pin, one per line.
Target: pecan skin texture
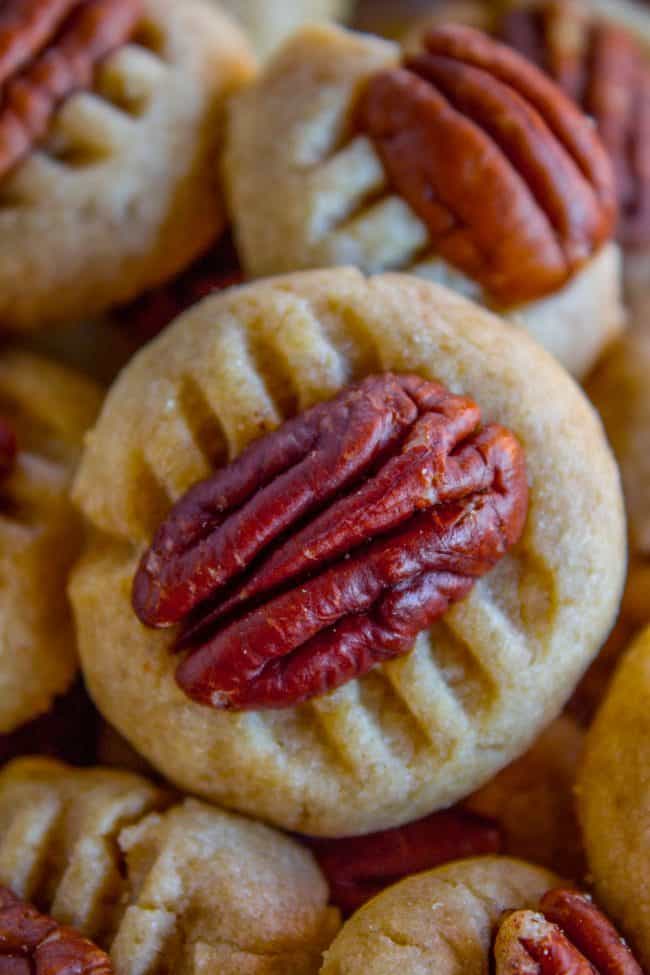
(215, 271)
(329, 544)
(34, 944)
(508, 176)
(8, 447)
(358, 868)
(602, 67)
(48, 56)
(569, 935)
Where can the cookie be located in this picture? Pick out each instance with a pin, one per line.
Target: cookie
(489, 913)
(613, 798)
(411, 735)
(442, 921)
(123, 185)
(46, 410)
(344, 175)
(161, 886)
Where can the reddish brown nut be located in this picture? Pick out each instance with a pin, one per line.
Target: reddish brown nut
(48, 50)
(509, 177)
(569, 935)
(34, 944)
(8, 447)
(152, 312)
(330, 543)
(360, 867)
(603, 68)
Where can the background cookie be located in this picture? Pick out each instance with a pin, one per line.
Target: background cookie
(441, 921)
(614, 798)
(267, 24)
(421, 732)
(49, 408)
(191, 889)
(125, 190)
(314, 189)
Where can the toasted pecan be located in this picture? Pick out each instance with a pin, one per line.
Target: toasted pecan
(508, 175)
(603, 68)
(330, 543)
(33, 944)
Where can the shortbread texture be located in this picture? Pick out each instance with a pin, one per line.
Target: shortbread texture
(422, 731)
(437, 923)
(162, 885)
(125, 191)
(306, 192)
(50, 408)
(267, 24)
(614, 799)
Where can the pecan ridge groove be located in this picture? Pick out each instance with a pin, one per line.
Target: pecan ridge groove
(33, 944)
(330, 543)
(48, 50)
(507, 174)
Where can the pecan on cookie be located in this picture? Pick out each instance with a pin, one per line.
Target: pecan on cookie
(603, 67)
(31, 942)
(538, 199)
(568, 935)
(49, 49)
(329, 544)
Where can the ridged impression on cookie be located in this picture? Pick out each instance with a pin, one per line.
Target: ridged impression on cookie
(509, 177)
(601, 66)
(568, 935)
(360, 867)
(48, 50)
(31, 942)
(329, 544)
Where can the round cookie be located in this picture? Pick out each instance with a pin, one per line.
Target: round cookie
(438, 922)
(313, 188)
(614, 798)
(49, 408)
(125, 189)
(184, 888)
(420, 732)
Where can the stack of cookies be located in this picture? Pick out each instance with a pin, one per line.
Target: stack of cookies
(324, 480)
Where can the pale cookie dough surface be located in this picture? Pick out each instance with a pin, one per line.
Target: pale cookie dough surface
(614, 799)
(305, 192)
(533, 801)
(436, 923)
(268, 22)
(125, 192)
(187, 888)
(50, 408)
(423, 731)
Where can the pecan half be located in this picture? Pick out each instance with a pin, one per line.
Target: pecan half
(8, 447)
(215, 271)
(34, 944)
(360, 867)
(569, 935)
(509, 177)
(48, 50)
(603, 68)
(330, 543)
